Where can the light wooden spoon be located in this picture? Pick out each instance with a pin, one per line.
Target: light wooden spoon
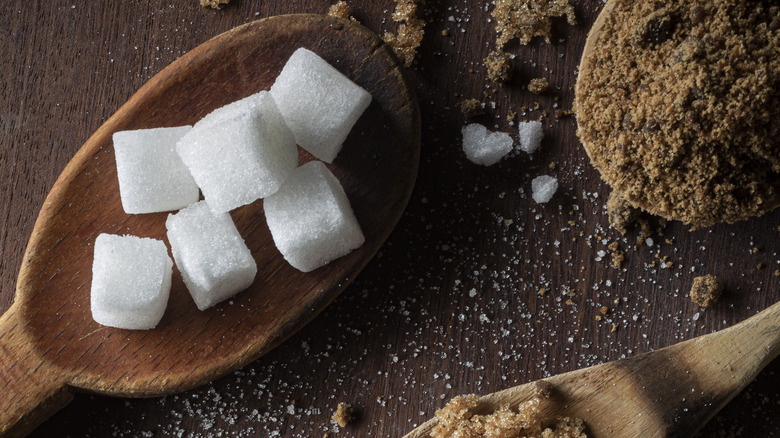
(49, 344)
(671, 392)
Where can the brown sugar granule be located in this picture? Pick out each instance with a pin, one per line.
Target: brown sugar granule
(678, 107)
(525, 19)
(706, 290)
(409, 33)
(497, 66)
(618, 257)
(538, 85)
(472, 107)
(216, 4)
(339, 9)
(343, 415)
(458, 419)
(620, 212)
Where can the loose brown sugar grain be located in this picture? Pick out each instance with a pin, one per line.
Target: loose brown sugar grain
(216, 4)
(343, 415)
(339, 9)
(409, 34)
(538, 85)
(678, 106)
(458, 419)
(497, 66)
(706, 290)
(472, 107)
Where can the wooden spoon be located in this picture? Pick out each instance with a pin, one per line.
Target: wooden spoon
(49, 344)
(671, 392)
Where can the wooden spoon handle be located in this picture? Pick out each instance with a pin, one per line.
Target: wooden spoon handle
(32, 390)
(731, 358)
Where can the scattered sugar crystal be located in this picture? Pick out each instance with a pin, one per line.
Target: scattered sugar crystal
(543, 188)
(484, 147)
(310, 218)
(131, 281)
(530, 135)
(152, 177)
(213, 259)
(239, 153)
(320, 104)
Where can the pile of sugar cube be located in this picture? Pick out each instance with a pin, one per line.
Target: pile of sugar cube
(235, 155)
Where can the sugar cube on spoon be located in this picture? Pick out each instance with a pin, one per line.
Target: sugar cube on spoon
(131, 281)
(152, 177)
(310, 218)
(211, 255)
(240, 152)
(318, 102)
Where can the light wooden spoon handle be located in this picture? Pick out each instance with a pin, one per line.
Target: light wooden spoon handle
(31, 389)
(723, 363)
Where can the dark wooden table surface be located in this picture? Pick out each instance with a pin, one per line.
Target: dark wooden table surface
(451, 304)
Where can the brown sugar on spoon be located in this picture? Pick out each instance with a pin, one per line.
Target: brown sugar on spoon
(459, 418)
(678, 106)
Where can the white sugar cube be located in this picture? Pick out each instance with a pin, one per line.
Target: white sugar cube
(213, 259)
(310, 218)
(319, 103)
(152, 177)
(543, 188)
(239, 153)
(484, 147)
(131, 281)
(530, 135)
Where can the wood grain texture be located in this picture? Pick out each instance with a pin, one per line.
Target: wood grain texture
(407, 335)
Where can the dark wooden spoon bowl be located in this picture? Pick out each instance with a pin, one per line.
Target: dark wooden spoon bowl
(49, 344)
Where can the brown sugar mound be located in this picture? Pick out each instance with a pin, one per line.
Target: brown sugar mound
(458, 419)
(678, 107)
(706, 290)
